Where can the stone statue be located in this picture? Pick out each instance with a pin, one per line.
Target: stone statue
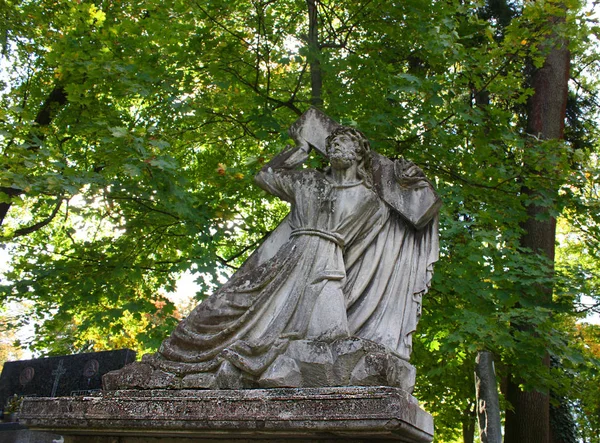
(333, 297)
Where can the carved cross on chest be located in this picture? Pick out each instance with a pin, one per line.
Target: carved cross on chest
(58, 373)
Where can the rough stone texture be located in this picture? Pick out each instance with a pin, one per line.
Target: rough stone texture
(331, 299)
(400, 373)
(317, 414)
(304, 364)
(198, 381)
(283, 373)
(395, 185)
(349, 353)
(315, 361)
(230, 377)
(313, 127)
(370, 371)
(139, 375)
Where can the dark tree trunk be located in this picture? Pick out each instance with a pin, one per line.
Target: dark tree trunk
(469, 425)
(486, 394)
(529, 420)
(55, 100)
(316, 76)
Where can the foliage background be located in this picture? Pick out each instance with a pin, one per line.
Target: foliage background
(130, 133)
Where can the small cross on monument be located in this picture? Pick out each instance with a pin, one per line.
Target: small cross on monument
(58, 373)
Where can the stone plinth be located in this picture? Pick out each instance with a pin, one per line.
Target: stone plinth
(311, 414)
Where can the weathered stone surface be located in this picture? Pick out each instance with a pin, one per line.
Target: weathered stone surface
(202, 380)
(400, 373)
(345, 362)
(305, 363)
(394, 182)
(135, 375)
(383, 369)
(324, 414)
(312, 129)
(315, 360)
(347, 353)
(140, 375)
(230, 377)
(283, 373)
(331, 299)
(370, 371)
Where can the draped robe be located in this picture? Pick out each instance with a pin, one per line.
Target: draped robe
(343, 263)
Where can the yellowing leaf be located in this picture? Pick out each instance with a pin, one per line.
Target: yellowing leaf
(97, 16)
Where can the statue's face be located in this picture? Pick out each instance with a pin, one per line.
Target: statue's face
(342, 152)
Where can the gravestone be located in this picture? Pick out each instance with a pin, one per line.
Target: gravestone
(60, 376)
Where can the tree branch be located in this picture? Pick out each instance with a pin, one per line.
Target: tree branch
(140, 202)
(222, 26)
(56, 99)
(288, 104)
(41, 224)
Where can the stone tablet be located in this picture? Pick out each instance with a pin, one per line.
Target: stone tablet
(60, 376)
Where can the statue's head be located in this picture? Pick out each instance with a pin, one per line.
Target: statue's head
(347, 145)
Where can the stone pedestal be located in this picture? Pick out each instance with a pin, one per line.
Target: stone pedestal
(349, 414)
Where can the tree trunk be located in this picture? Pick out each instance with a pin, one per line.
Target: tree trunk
(486, 393)
(528, 421)
(469, 425)
(316, 77)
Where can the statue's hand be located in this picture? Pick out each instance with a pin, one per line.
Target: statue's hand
(296, 133)
(289, 158)
(407, 173)
(303, 145)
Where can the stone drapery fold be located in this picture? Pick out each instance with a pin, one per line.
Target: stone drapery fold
(339, 242)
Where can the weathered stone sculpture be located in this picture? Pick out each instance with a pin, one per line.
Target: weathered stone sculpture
(332, 297)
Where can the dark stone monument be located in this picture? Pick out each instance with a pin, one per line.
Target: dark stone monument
(60, 376)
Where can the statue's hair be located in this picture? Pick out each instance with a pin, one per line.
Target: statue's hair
(364, 149)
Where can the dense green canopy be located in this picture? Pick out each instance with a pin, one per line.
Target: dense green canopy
(131, 131)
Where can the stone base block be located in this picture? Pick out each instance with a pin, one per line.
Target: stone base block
(350, 361)
(349, 414)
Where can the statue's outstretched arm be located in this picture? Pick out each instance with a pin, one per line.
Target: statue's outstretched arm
(289, 158)
(276, 176)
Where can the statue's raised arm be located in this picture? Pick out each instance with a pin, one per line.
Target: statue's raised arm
(278, 175)
(333, 296)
